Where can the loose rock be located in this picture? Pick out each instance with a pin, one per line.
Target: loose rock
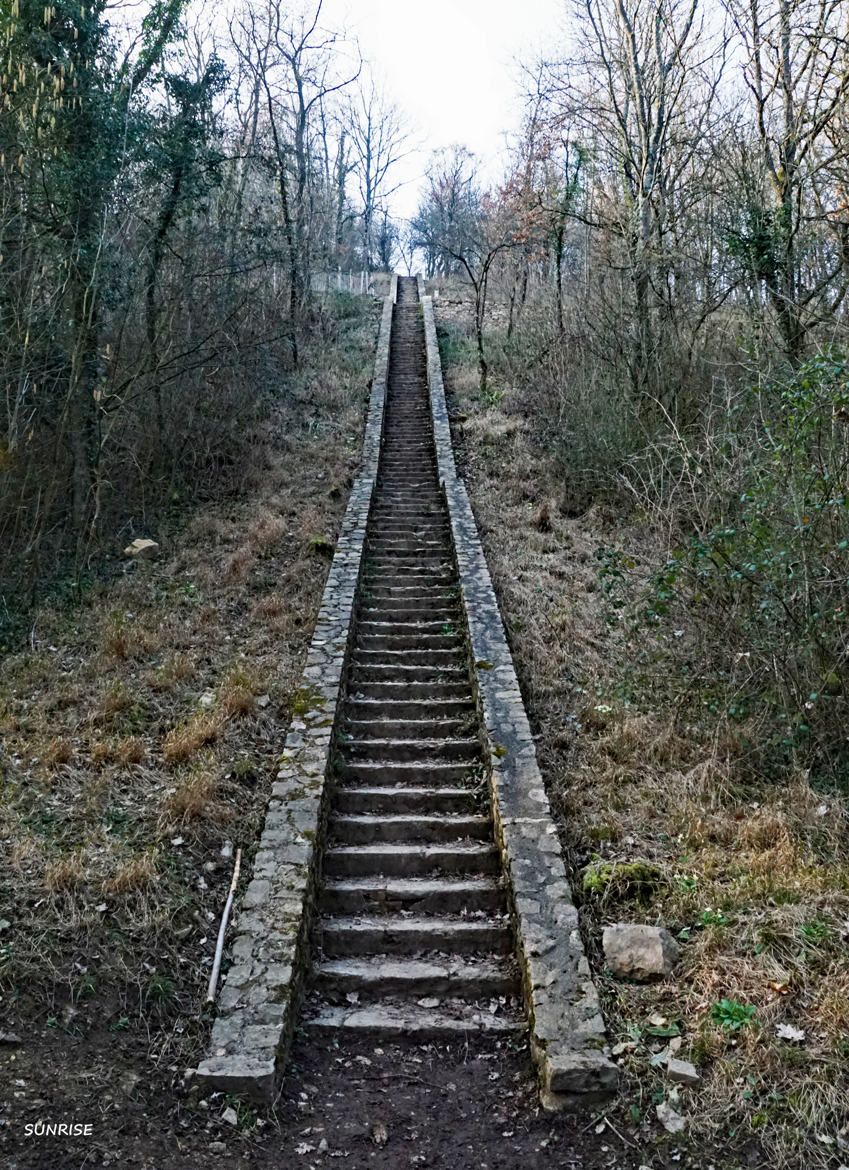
(142, 550)
(671, 1121)
(642, 954)
(682, 1071)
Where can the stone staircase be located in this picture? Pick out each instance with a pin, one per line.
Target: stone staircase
(413, 935)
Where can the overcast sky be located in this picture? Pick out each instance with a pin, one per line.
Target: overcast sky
(450, 64)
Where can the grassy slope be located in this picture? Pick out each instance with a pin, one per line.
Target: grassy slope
(140, 733)
(753, 877)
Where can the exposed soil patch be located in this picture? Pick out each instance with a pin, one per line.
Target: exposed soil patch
(385, 1106)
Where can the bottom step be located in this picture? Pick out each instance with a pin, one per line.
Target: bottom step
(385, 1020)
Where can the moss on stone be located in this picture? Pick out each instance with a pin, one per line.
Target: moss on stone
(322, 546)
(626, 880)
(307, 699)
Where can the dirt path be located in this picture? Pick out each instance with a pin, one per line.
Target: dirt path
(446, 1107)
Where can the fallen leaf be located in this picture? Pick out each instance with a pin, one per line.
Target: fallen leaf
(788, 1032)
(379, 1134)
(663, 1031)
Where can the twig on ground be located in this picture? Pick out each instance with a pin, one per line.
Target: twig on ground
(222, 930)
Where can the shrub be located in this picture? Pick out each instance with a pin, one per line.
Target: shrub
(760, 568)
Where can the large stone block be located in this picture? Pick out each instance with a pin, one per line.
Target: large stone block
(643, 954)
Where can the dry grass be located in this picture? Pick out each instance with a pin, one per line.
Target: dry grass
(183, 742)
(124, 637)
(100, 752)
(24, 851)
(65, 873)
(178, 668)
(133, 874)
(266, 531)
(238, 690)
(240, 564)
(541, 518)
(194, 799)
(273, 605)
(115, 698)
(58, 752)
(129, 751)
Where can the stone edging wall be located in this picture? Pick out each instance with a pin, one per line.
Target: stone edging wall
(567, 1031)
(260, 998)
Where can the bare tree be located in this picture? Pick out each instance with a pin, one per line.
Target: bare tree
(639, 94)
(379, 137)
(295, 67)
(467, 229)
(797, 74)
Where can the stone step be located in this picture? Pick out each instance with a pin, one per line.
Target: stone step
(374, 828)
(401, 799)
(404, 729)
(406, 689)
(369, 627)
(419, 774)
(425, 511)
(416, 469)
(407, 595)
(409, 488)
(410, 751)
(381, 894)
(413, 550)
(404, 674)
(378, 578)
(406, 500)
(384, 610)
(418, 643)
(366, 710)
(413, 529)
(390, 1020)
(383, 975)
(389, 859)
(391, 934)
(435, 585)
(424, 567)
(401, 659)
(401, 528)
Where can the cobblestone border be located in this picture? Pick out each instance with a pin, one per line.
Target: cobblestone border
(260, 998)
(567, 1031)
